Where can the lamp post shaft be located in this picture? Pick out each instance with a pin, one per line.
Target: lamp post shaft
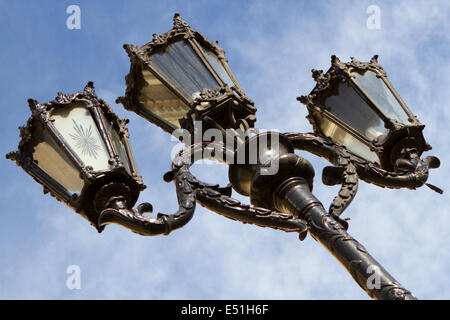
(295, 197)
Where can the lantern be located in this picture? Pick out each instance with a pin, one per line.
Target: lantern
(78, 149)
(355, 105)
(180, 77)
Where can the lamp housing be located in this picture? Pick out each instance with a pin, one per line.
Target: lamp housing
(78, 150)
(180, 77)
(355, 105)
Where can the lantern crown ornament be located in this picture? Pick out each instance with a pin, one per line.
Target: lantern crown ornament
(180, 77)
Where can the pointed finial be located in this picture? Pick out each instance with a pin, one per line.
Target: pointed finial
(334, 59)
(179, 23)
(89, 89)
(317, 74)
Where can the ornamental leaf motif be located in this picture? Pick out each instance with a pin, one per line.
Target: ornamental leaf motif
(84, 140)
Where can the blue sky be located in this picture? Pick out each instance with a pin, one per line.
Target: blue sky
(271, 47)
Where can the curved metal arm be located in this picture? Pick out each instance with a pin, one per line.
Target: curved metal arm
(117, 212)
(395, 180)
(219, 199)
(189, 190)
(233, 209)
(348, 168)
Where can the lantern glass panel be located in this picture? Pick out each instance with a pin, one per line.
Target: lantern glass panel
(341, 136)
(157, 99)
(217, 65)
(346, 104)
(379, 92)
(50, 157)
(78, 128)
(118, 145)
(181, 64)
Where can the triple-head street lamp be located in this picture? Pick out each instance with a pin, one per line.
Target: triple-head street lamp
(78, 149)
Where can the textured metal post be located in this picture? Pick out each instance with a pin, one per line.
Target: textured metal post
(295, 197)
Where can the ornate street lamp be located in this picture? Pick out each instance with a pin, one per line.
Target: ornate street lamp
(78, 149)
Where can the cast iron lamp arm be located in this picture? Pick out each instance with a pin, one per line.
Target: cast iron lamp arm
(219, 200)
(190, 189)
(412, 177)
(116, 211)
(348, 168)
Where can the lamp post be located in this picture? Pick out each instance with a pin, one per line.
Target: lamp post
(179, 80)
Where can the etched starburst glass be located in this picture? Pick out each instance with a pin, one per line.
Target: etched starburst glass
(84, 140)
(79, 130)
